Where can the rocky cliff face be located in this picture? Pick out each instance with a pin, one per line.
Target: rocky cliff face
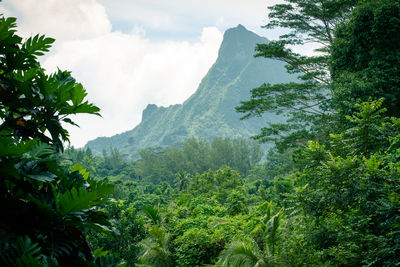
(210, 111)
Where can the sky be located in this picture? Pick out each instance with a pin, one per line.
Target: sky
(131, 53)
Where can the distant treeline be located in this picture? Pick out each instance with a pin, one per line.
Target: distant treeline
(162, 164)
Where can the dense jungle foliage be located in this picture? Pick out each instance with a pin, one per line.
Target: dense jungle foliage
(328, 194)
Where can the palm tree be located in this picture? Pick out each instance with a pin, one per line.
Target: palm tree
(259, 251)
(153, 214)
(156, 249)
(273, 232)
(182, 180)
(245, 253)
(266, 233)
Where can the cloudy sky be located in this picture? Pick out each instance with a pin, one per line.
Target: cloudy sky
(130, 53)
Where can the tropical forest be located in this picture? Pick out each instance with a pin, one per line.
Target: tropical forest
(278, 159)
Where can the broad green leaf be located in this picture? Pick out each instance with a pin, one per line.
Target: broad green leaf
(68, 120)
(74, 200)
(78, 168)
(78, 94)
(87, 108)
(82, 198)
(8, 147)
(43, 177)
(38, 44)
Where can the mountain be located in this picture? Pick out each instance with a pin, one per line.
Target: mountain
(210, 111)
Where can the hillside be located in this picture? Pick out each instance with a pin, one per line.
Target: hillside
(209, 112)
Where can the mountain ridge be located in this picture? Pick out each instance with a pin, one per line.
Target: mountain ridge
(209, 111)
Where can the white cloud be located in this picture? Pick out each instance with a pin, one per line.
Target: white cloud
(62, 19)
(124, 72)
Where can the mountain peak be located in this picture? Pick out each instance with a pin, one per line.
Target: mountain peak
(238, 31)
(240, 27)
(210, 111)
(148, 110)
(239, 43)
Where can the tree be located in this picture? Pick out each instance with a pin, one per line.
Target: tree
(219, 183)
(348, 193)
(154, 215)
(114, 161)
(347, 186)
(195, 247)
(245, 253)
(156, 248)
(82, 157)
(182, 180)
(31, 101)
(46, 209)
(366, 56)
(259, 251)
(236, 203)
(306, 103)
(130, 231)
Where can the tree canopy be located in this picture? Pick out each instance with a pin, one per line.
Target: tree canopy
(365, 56)
(306, 103)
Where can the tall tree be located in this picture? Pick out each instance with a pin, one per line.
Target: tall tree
(306, 103)
(366, 56)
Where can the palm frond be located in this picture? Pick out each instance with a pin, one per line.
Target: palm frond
(241, 254)
(153, 214)
(156, 251)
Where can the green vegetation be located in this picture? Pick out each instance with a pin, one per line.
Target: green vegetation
(307, 101)
(328, 194)
(185, 214)
(365, 56)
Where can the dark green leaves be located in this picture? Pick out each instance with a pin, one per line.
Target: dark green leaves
(82, 199)
(366, 56)
(37, 45)
(7, 37)
(32, 103)
(46, 210)
(23, 253)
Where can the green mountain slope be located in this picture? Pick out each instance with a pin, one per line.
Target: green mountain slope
(209, 112)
